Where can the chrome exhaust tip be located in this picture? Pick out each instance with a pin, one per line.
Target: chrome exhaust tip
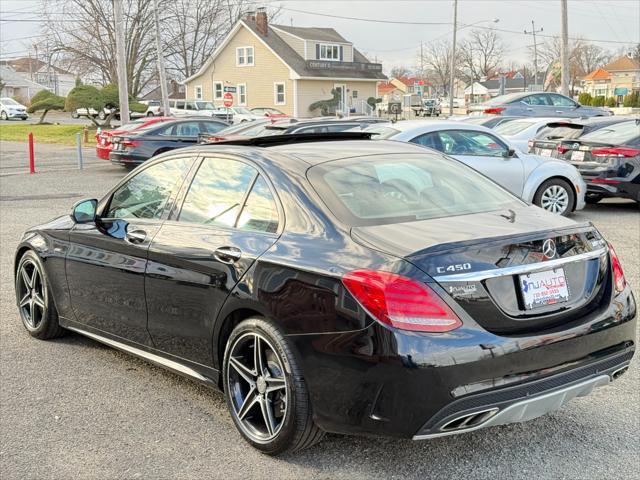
(619, 372)
(469, 420)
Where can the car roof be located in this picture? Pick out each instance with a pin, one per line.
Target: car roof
(303, 155)
(432, 125)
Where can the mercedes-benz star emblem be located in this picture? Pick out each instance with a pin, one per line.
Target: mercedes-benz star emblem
(549, 248)
(575, 146)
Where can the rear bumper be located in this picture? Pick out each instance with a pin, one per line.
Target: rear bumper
(392, 383)
(606, 182)
(126, 159)
(103, 152)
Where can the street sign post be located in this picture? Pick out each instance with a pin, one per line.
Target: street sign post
(230, 89)
(227, 99)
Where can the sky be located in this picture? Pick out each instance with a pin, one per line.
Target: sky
(605, 21)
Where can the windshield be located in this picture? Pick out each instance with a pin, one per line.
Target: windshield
(396, 188)
(512, 128)
(430, 103)
(242, 111)
(9, 101)
(205, 106)
(618, 134)
(380, 132)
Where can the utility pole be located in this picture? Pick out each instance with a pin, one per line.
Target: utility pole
(166, 110)
(535, 50)
(564, 51)
(452, 66)
(121, 62)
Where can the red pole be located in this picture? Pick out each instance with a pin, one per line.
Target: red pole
(32, 163)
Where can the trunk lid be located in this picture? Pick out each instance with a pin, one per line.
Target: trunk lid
(483, 262)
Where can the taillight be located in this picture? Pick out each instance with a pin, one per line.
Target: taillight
(618, 275)
(608, 181)
(530, 144)
(561, 149)
(620, 152)
(494, 110)
(400, 302)
(130, 143)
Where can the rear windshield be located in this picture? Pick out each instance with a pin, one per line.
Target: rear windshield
(617, 134)
(240, 128)
(395, 188)
(515, 127)
(557, 132)
(502, 99)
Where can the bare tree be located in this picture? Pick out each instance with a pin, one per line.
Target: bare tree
(194, 29)
(437, 60)
(549, 53)
(590, 57)
(83, 32)
(480, 54)
(400, 71)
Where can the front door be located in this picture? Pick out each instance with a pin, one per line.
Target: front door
(228, 218)
(107, 260)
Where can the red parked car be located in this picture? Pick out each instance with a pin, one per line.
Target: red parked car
(103, 138)
(272, 113)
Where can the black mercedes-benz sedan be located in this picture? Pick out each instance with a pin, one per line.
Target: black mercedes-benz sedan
(336, 284)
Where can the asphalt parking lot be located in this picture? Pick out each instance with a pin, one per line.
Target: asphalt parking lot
(72, 408)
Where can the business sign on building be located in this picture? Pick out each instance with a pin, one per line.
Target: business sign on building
(354, 66)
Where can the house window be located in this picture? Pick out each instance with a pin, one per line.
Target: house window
(279, 97)
(354, 93)
(329, 52)
(244, 56)
(217, 91)
(242, 94)
(198, 92)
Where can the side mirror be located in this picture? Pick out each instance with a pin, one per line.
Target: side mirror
(509, 153)
(85, 211)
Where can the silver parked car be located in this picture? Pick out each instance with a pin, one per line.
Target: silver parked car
(545, 182)
(536, 104)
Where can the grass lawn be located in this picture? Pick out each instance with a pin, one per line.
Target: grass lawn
(61, 134)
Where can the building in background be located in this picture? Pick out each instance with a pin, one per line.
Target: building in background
(615, 79)
(16, 85)
(53, 78)
(287, 68)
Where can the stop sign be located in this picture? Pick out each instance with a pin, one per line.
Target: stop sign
(227, 99)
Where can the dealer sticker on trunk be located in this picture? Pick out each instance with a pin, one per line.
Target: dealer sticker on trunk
(544, 288)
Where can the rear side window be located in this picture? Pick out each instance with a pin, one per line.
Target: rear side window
(384, 189)
(512, 128)
(145, 195)
(231, 194)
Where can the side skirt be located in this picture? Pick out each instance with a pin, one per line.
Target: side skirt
(209, 378)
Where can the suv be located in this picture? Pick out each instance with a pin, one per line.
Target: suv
(199, 108)
(9, 109)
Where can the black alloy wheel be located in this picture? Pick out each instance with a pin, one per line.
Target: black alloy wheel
(265, 392)
(37, 311)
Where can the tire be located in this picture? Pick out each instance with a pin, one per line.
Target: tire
(23, 119)
(74, 114)
(556, 196)
(291, 424)
(33, 297)
(4, 116)
(150, 114)
(593, 199)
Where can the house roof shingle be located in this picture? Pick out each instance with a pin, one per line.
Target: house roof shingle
(28, 65)
(622, 63)
(384, 88)
(598, 74)
(314, 33)
(14, 79)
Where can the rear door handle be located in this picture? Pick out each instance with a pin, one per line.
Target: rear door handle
(135, 237)
(227, 254)
(559, 111)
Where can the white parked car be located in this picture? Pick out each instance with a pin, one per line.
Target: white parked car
(199, 108)
(10, 109)
(153, 108)
(552, 184)
(520, 131)
(243, 114)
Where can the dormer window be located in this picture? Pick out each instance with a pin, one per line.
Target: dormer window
(327, 51)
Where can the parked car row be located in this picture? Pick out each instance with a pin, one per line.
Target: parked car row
(536, 104)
